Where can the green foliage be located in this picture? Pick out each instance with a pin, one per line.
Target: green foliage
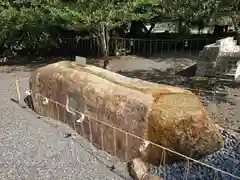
(28, 24)
(35, 23)
(31, 23)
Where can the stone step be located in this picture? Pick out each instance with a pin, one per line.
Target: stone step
(231, 72)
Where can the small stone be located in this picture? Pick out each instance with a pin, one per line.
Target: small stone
(138, 170)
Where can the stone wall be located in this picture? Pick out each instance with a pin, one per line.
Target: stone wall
(219, 59)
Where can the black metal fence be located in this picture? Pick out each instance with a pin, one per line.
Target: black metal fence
(89, 47)
(157, 47)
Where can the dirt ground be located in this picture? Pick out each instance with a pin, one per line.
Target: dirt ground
(220, 97)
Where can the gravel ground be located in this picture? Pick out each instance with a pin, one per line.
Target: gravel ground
(227, 159)
(34, 148)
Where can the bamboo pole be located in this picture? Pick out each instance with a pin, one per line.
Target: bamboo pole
(17, 89)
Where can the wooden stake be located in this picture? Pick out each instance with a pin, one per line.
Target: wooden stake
(17, 89)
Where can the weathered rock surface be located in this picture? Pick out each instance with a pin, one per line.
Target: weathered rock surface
(169, 116)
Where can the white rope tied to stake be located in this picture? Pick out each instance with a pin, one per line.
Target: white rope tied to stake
(45, 101)
(28, 92)
(80, 120)
(144, 146)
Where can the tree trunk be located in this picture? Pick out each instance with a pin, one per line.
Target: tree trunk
(180, 26)
(2, 46)
(3, 42)
(237, 29)
(104, 38)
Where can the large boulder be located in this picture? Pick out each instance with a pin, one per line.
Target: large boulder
(169, 116)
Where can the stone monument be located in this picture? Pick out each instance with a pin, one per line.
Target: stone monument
(219, 59)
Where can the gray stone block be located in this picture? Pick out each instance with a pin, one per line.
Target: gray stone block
(219, 57)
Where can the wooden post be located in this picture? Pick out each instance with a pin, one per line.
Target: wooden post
(235, 24)
(17, 89)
